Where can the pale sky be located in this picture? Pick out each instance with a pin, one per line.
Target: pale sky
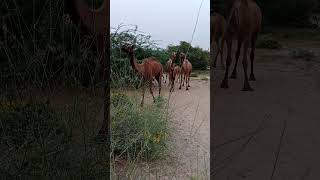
(170, 21)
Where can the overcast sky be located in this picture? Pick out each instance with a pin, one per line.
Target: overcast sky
(170, 21)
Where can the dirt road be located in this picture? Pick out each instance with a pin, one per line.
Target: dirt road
(189, 140)
(248, 125)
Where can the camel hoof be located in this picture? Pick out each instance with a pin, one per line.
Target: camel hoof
(224, 84)
(252, 78)
(180, 87)
(187, 89)
(233, 76)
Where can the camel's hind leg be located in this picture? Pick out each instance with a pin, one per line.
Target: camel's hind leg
(150, 88)
(224, 83)
(252, 54)
(234, 72)
(246, 85)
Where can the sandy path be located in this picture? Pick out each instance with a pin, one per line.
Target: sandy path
(189, 140)
(286, 89)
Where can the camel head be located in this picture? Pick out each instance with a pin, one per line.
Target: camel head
(173, 57)
(182, 57)
(128, 49)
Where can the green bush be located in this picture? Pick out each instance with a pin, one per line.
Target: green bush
(38, 141)
(268, 42)
(138, 132)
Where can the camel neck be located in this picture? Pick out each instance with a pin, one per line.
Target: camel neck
(135, 65)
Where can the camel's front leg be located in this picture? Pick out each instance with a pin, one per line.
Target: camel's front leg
(246, 85)
(143, 91)
(189, 79)
(234, 72)
(159, 82)
(224, 83)
(180, 80)
(252, 55)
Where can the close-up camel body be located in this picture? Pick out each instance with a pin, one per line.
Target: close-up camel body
(186, 68)
(217, 28)
(149, 69)
(244, 24)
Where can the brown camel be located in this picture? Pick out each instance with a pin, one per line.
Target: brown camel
(186, 68)
(96, 21)
(244, 24)
(218, 25)
(174, 74)
(149, 69)
(168, 67)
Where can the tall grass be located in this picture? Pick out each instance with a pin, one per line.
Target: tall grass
(40, 141)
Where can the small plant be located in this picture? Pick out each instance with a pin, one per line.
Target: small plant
(205, 78)
(268, 42)
(138, 132)
(303, 54)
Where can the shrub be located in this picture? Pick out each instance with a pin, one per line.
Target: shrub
(194, 74)
(303, 54)
(268, 42)
(38, 142)
(138, 133)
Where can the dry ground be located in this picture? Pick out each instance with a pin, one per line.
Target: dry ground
(286, 89)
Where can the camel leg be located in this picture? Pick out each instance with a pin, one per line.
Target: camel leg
(186, 79)
(150, 88)
(224, 83)
(234, 72)
(143, 91)
(216, 46)
(159, 83)
(189, 78)
(221, 55)
(181, 79)
(252, 55)
(246, 85)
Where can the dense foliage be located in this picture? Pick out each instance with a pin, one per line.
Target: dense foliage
(122, 74)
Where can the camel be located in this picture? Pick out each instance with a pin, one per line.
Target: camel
(149, 69)
(96, 21)
(218, 25)
(186, 68)
(168, 66)
(244, 25)
(174, 74)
